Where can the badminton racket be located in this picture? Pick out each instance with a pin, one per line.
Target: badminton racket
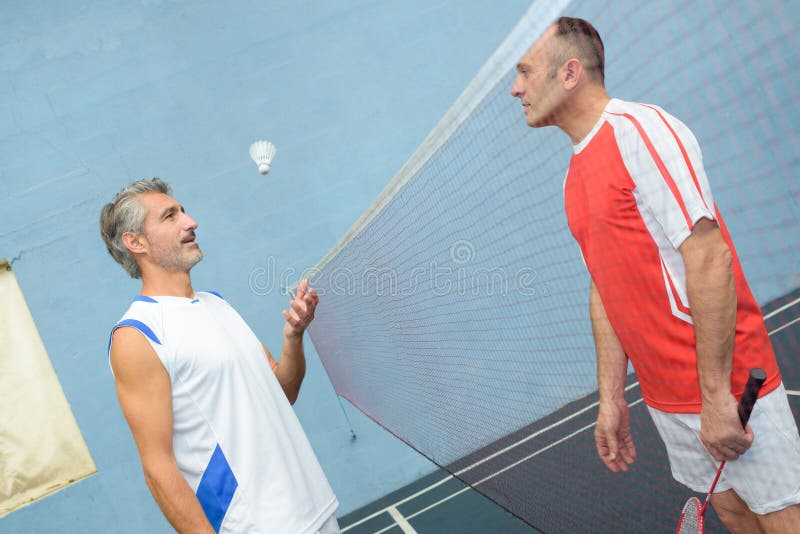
(693, 514)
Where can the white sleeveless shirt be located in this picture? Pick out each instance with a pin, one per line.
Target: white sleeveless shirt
(237, 439)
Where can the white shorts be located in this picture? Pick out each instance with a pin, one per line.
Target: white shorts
(766, 477)
(331, 526)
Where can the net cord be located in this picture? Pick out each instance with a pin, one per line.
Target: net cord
(534, 22)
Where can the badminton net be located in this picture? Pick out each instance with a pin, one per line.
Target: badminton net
(456, 308)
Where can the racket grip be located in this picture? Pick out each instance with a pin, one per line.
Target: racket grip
(751, 389)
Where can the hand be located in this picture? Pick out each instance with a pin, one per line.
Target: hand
(301, 311)
(721, 430)
(612, 435)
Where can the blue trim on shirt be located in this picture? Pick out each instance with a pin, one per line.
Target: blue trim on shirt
(138, 325)
(195, 300)
(143, 298)
(216, 294)
(141, 327)
(216, 488)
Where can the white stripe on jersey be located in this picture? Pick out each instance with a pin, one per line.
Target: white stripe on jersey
(654, 158)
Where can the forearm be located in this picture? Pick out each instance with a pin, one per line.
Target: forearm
(612, 433)
(711, 290)
(175, 498)
(291, 369)
(612, 362)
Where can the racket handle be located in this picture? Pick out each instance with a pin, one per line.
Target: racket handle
(751, 389)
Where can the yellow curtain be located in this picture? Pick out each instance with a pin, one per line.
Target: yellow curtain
(41, 447)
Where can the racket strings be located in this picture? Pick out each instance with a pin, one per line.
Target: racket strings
(691, 521)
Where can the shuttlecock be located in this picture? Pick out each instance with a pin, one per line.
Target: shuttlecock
(262, 153)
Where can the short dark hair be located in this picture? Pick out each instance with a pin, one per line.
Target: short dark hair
(582, 41)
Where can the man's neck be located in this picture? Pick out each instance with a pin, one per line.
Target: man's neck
(583, 113)
(167, 284)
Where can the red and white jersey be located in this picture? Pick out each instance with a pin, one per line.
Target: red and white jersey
(634, 190)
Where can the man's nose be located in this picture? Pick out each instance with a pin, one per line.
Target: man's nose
(190, 223)
(516, 89)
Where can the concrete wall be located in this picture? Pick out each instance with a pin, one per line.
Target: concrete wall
(96, 94)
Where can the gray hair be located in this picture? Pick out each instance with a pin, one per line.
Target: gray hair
(126, 214)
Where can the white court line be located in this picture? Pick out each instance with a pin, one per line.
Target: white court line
(437, 503)
(500, 472)
(565, 438)
(537, 433)
(401, 521)
(773, 313)
(449, 477)
(398, 503)
(790, 323)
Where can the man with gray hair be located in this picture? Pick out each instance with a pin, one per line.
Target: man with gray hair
(207, 404)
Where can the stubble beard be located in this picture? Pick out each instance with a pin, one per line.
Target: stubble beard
(178, 259)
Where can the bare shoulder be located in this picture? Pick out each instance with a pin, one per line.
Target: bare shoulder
(132, 356)
(144, 391)
(143, 385)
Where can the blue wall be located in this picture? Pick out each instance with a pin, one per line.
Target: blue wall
(96, 94)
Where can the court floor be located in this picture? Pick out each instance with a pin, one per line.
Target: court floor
(440, 503)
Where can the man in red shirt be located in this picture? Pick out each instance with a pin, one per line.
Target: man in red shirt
(667, 289)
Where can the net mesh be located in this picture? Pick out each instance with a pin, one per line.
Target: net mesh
(455, 311)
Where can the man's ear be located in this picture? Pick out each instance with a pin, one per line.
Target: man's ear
(135, 243)
(571, 72)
